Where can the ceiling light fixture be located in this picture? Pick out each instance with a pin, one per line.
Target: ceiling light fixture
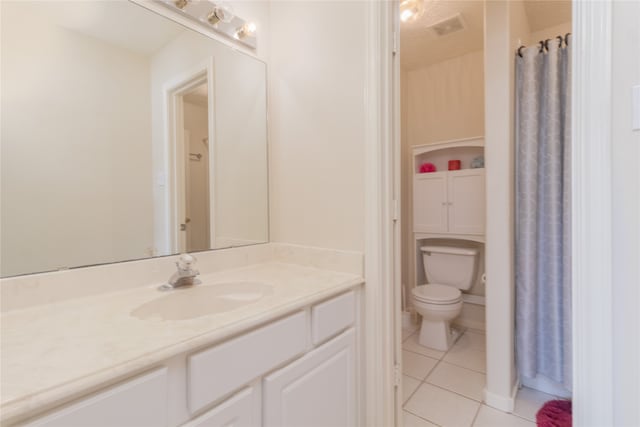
(411, 10)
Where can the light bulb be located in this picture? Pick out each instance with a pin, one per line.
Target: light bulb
(181, 4)
(411, 10)
(219, 14)
(247, 30)
(224, 12)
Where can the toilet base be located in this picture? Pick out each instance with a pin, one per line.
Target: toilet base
(438, 335)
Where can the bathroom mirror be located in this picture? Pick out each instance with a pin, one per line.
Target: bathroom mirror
(124, 136)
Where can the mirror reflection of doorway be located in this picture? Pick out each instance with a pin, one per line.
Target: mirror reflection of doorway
(196, 221)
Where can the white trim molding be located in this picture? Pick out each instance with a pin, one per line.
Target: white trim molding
(380, 310)
(591, 216)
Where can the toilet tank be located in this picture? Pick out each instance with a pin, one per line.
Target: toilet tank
(452, 266)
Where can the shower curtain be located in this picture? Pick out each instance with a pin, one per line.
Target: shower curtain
(543, 215)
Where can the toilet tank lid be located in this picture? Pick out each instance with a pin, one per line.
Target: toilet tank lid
(449, 250)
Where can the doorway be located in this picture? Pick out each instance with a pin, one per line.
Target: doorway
(190, 150)
(447, 85)
(197, 214)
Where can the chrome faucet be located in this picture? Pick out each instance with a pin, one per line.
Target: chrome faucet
(185, 276)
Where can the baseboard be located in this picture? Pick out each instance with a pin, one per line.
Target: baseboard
(408, 320)
(545, 385)
(467, 323)
(502, 403)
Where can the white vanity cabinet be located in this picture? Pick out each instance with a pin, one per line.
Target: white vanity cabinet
(450, 202)
(298, 370)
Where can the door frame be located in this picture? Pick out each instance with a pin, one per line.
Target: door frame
(382, 355)
(174, 147)
(592, 245)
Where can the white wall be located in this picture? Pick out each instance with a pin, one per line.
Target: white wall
(625, 214)
(506, 28)
(75, 147)
(445, 101)
(241, 160)
(551, 32)
(317, 121)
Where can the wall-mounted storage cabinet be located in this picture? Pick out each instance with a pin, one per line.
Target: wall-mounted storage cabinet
(449, 202)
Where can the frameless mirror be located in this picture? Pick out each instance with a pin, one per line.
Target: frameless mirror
(124, 136)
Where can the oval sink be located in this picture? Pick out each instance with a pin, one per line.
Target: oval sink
(201, 300)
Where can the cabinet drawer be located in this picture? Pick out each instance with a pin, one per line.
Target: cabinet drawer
(333, 316)
(217, 371)
(139, 402)
(242, 410)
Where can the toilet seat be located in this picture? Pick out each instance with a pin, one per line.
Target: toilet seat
(437, 294)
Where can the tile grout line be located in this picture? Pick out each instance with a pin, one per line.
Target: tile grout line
(464, 367)
(425, 380)
(422, 381)
(475, 417)
(432, 370)
(455, 392)
(422, 418)
(420, 354)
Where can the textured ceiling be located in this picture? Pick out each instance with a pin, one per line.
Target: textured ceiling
(420, 46)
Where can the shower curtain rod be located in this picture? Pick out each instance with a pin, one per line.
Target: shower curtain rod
(544, 44)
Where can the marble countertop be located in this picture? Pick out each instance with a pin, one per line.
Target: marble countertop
(53, 352)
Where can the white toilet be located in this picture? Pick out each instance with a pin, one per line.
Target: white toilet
(449, 271)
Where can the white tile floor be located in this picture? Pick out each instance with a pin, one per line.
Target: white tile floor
(445, 388)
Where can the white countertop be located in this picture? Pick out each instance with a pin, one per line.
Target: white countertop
(53, 352)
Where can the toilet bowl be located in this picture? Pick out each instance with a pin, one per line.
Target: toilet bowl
(449, 271)
(438, 305)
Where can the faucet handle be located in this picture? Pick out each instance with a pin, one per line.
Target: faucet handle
(185, 262)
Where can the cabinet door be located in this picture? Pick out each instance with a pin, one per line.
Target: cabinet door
(466, 201)
(241, 410)
(316, 390)
(430, 202)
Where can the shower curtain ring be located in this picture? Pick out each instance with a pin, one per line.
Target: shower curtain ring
(559, 41)
(520, 51)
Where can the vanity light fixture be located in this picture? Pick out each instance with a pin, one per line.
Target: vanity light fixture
(181, 4)
(411, 10)
(215, 16)
(220, 13)
(247, 30)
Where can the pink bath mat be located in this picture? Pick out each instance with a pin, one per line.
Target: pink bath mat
(554, 413)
